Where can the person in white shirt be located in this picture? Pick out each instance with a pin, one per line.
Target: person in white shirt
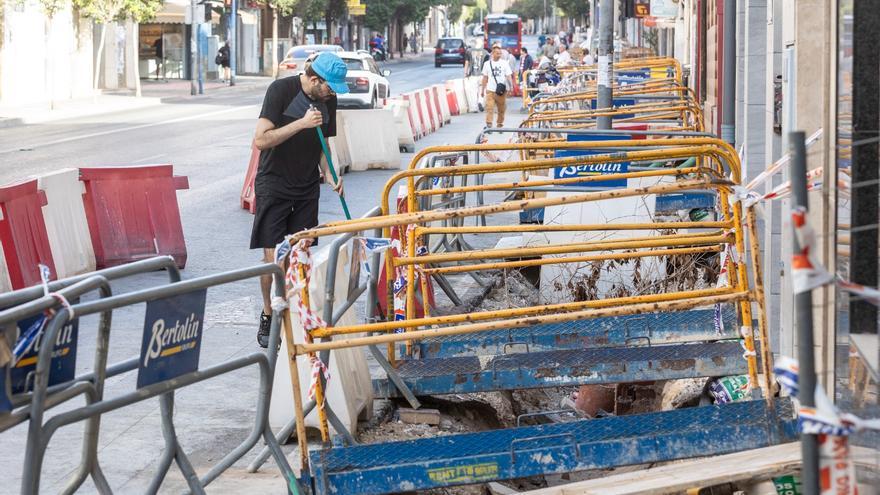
(589, 59)
(496, 72)
(563, 58)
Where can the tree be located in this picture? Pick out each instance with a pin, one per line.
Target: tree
(336, 9)
(285, 7)
(106, 11)
(529, 9)
(574, 9)
(454, 10)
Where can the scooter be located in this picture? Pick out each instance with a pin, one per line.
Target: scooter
(377, 54)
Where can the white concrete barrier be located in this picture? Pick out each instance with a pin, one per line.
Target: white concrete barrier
(433, 107)
(457, 86)
(415, 115)
(472, 93)
(372, 139)
(350, 390)
(339, 144)
(66, 224)
(427, 120)
(405, 134)
(340, 162)
(443, 104)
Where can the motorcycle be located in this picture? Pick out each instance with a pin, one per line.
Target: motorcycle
(377, 54)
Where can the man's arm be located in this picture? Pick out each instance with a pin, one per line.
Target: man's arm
(267, 136)
(483, 84)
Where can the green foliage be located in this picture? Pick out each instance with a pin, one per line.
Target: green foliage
(530, 9)
(454, 9)
(309, 10)
(51, 7)
(105, 11)
(284, 7)
(381, 13)
(575, 9)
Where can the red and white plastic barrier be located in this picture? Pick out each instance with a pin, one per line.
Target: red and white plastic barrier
(76, 220)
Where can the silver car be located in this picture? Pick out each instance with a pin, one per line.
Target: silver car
(295, 60)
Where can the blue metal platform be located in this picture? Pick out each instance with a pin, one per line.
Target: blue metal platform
(555, 448)
(468, 374)
(656, 328)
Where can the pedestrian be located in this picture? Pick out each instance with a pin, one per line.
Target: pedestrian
(525, 63)
(549, 49)
(542, 39)
(589, 59)
(563, 58)
(404, 44)
(287, 186)
(413, 42)
(160, 56)
(496, 81)
(223, 60)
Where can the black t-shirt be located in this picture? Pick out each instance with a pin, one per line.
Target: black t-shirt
(290, 170)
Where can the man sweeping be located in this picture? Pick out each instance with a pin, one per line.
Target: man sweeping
(287, 186)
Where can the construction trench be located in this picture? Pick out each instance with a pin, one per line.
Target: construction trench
(564, 303)
(551, 308)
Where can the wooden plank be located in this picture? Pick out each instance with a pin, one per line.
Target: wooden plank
(677, 477)
(680, 476)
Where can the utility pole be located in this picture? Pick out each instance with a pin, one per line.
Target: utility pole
(804, 314)
(193, 90)
(233, 42)
(728, 103)
(606, 55)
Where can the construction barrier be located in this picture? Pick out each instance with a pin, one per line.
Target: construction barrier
(406, 135)
(442, 102)
(350, 392)
(133, 214)
(373, 134)
(159, 374)
(456, 87)
(425, 112)
(248, 194)
(451, 98)
(5, 282)
(415, 117)
(433, 108)
(472, 93)
(23, 233)
(66, 224)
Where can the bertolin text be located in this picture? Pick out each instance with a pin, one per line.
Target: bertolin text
(165, 337)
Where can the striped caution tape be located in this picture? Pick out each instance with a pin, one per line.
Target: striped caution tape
(300, 258)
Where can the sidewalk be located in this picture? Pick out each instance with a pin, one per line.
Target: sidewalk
(110, 101)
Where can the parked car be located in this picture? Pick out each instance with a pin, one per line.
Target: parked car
(367, 84)
(294, 61)
(449, 51)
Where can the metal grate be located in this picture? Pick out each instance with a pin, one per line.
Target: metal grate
(712, 419)
(656, 328)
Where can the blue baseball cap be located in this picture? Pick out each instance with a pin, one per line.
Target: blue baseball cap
(332, 69)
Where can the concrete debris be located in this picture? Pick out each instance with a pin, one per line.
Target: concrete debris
(682, 393)
(419, 416)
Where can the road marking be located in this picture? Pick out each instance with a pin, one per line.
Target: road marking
(131, 128)
(142, 160)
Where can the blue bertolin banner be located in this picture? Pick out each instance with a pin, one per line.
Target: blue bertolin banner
(5, 402)
(172, 337)
(27, 347)
(587, 170)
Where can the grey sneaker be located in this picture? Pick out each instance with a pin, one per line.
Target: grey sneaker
(263, 332)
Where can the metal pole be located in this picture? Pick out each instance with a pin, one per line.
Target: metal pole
(863, 267)
(804, 314)
(728, 103)
(193, 90)
(233, 42)
(606, 55)
(197, 25)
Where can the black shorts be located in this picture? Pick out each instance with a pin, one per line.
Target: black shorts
(275, 218)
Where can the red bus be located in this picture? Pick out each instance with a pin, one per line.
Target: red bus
(505, 29)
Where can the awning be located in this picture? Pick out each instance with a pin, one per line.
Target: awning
(174, 12)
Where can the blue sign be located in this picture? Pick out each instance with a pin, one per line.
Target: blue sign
(595, 168)
(27, 348)
(5, 403)
(616, 103)
(172, 337)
